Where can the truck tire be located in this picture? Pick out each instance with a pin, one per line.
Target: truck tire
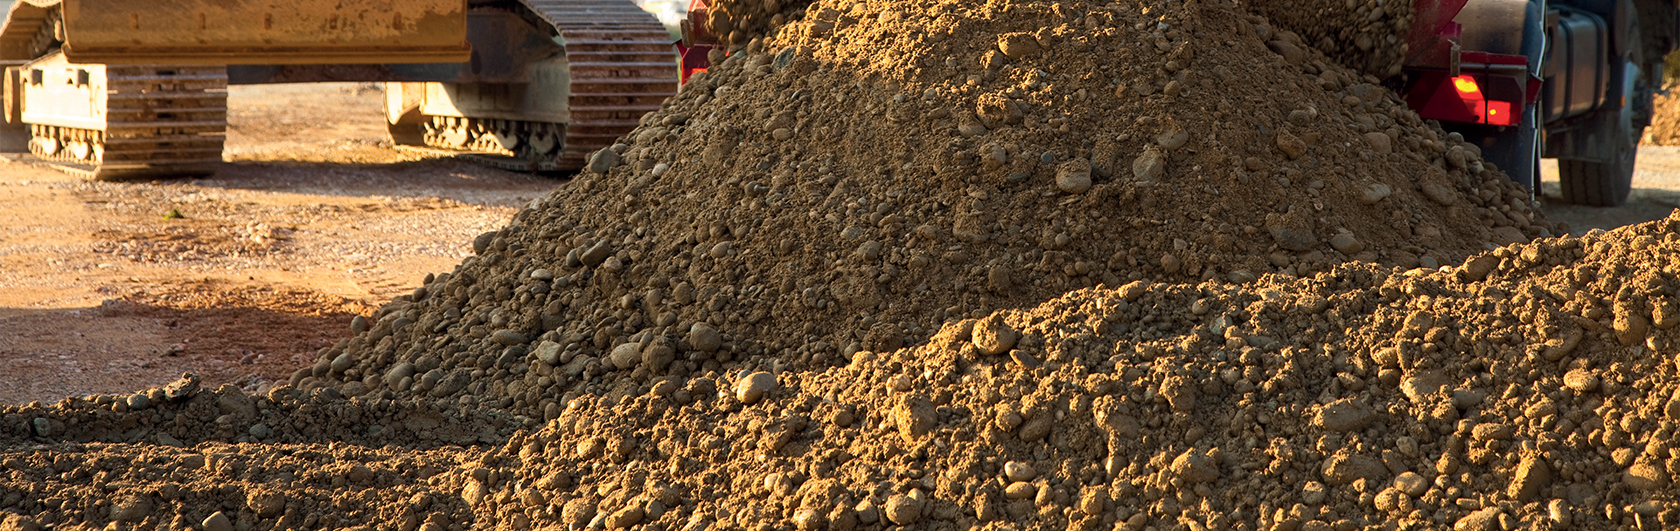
(1608, 183)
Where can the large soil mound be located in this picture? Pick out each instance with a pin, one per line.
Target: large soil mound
(1533, 387)
(856, 270)
(807, 199)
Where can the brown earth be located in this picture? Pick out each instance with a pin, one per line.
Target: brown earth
(977, 281)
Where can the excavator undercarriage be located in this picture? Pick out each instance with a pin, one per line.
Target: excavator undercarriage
(113, 88)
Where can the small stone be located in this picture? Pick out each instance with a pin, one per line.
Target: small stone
(751, 389)
(1344, 469)
(867, 512)
(781, 133)
(1533, 476)
(1344, 415)
(132, 508)
(1380, 143)
(596, 254)
(1149, 166)
(1173, 137)
(625, 517)
(1630, 327)
(138, 401)
(260, 431)
(1134, 289)
(992, 336)
(1411, 483)
(1020, 490)
(915, 417)
(1195, 466)
(1345, 243)
(267, 504)
(1439, 192)
(809, 519)
(1018, 45)
(626, 356)
(1288, 50)
(217, 521)
(1581, 380)
(507, 337)
(1646, 474)
(359, 324)
(1291, 145)
(1375, 192)
(1019, 471)
(1093, 501)
(1074, 176)
(904, 510)
(548, 352)
(704, 338)
(1481, 520)
(604, 161)
(1558, 511)
(1477, 268)
(1314, 493)
(721, 249)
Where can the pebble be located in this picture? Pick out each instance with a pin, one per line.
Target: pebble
(138, 401)
(1380, 143)
(992, 336)
(625, 517)
(548, 352)
(1344, 415)
(704, 338)
(904, 510)
(1558, 511)
(1074, 176)
(1291, 145)
(1533, 476)
(1195, 466)
(1374, 193)
(1581, 380)
(751, 389)
(1346, 243)
(626, 355)
(1313, 493)
(1646, 475)
(1481, 520)
(604, 161)
(267, 504)
(217, 521)
(504, 337)
(1019, 471)
(1020, 490)
(1018, 45)
(132, 508)
(1411, 483)
(1149, 166)
(867, 512)
(1094, 501)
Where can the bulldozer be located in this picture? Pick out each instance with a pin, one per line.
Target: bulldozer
(119, 89)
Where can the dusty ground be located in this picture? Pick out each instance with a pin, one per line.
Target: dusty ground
(314, 219)
(1656, 192)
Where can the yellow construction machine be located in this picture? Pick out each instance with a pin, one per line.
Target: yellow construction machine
(127, 89)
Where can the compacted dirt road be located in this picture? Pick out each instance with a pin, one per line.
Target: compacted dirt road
(241, 277)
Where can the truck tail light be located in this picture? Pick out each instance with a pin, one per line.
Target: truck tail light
(1466, 98)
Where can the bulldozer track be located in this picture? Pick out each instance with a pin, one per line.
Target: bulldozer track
(622, 66)
(159, 121)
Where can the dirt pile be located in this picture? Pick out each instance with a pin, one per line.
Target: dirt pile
(805, 200)
(1369, 37)
(1536, 386)
(1665, 123)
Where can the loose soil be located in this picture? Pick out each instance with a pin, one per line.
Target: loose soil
(930, 265)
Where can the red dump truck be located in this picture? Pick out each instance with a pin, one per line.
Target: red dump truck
(1571, 80)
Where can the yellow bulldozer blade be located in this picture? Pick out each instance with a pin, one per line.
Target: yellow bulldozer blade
(269, 32)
